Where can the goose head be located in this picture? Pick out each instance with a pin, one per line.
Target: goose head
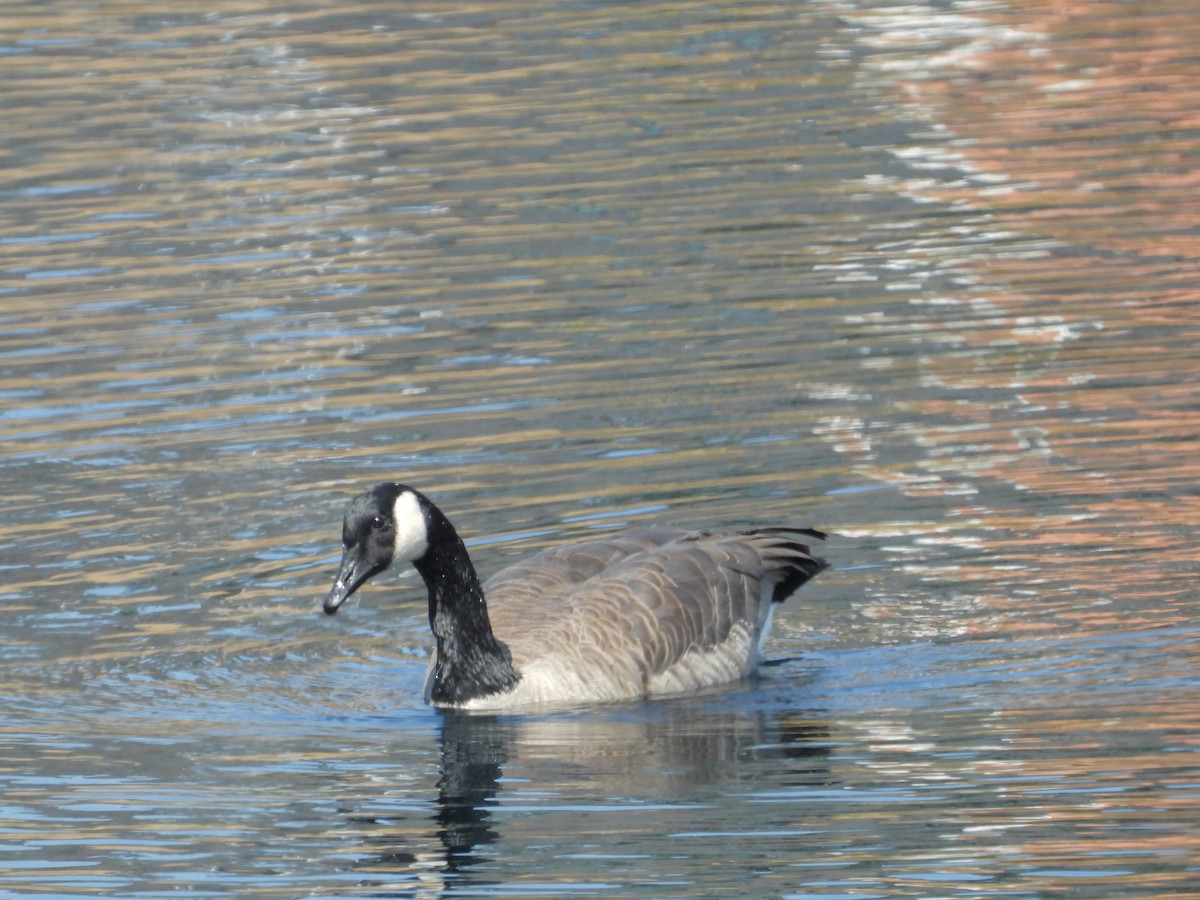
(393, 523)
(385, 525)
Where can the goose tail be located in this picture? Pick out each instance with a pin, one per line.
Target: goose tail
(789, 561)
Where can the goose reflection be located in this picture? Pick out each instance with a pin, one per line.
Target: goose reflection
(664, 754)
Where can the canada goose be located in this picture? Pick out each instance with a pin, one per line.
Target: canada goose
(636, 614)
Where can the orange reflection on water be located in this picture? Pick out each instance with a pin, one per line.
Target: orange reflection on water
(1073, 377)
(1089, 107)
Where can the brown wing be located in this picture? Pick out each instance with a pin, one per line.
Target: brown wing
(626, 609)
(529, 592)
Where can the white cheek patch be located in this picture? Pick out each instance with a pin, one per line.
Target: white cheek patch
(412, 537)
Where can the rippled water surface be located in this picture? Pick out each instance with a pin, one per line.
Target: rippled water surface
(924, 276)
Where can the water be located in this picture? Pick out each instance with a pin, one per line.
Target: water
(923, 276)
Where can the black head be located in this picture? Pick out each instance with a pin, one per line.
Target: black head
(384, 525)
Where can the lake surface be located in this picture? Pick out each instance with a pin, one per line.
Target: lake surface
(921, 275)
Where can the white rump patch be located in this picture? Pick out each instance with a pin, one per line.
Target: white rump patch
(412, 536)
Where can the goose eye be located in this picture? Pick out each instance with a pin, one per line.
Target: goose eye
(378, 522)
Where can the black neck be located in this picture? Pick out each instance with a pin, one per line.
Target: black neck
(471, 661)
